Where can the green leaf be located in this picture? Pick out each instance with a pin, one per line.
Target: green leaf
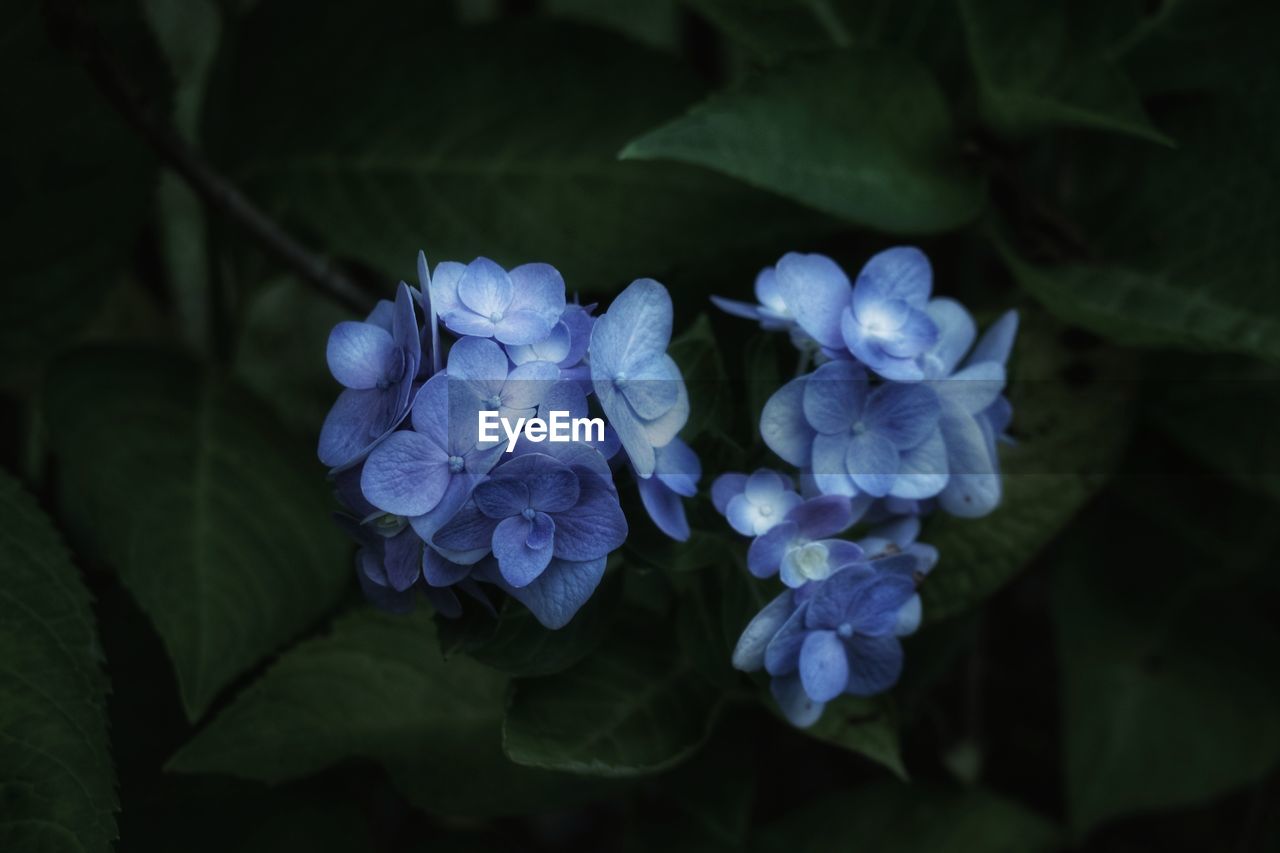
(1169, 694)
(384, 134)
(280, 354)
(55, 764)
(1072, 412)
(77, 185)
(864, 135)
(1033, 71)
(897, 818)
(868, 727)
(635, 706)
(698, 354)
(1180, 241)
(378, 687)
(217, 519)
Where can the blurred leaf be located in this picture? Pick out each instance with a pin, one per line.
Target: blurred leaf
(897, 818)
(651, 22)
(863, 135)
(76, 189)
(1223, 410)
(518, 645)
(868, 727)
(383, 134)
(1033, 71)
(378, 687)
(1181, 241)
(280, 353)
(1072, 412)
(714, 605)
(635, 706)
(1169, 691)
(217, 519)
(698, 354)
(55, 763)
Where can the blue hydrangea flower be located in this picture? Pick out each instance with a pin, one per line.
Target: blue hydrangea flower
(533, 508)
(772, 312)
(676, 472)
(753, 505)
(639, 386)
(833, 637)
(427, 473)
(799, 548)
(855, 438)
(484, 300)
(887, 327)
(376, 361)
(565, 345)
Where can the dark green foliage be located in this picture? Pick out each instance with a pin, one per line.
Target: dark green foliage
(1098, 662)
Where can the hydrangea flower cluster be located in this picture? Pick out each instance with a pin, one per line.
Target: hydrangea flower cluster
(437, 506)
(900, 417)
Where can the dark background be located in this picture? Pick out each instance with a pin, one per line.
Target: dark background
(195, 191)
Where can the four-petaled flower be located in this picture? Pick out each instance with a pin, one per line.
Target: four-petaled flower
(483, 300)
(800, 549)
(754, 504)
(887, 325)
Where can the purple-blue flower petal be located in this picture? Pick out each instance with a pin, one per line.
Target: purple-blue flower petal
(824, 667)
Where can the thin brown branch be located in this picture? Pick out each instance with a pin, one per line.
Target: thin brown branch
(216, 191)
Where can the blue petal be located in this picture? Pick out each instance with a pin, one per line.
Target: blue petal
(956, 331)
(455, 495)
(782, 655)
(875, 663)
(735, 308)
(662, 430)
(829, 471)
(763, 485)
(652, 386)
(872, 462)
(554, 347)
(519, 561)
(469, 530)
(834, 397)
(579, 323)
(553, 487)
(975, 388)
(536, 306)
(528, 385)
(560, 591)
(594, 526)
(430, 315)
(922, 471)
(361, 355)
(824, 668)
(795, 704)
(357, 420)
(909, 616)
(815, 290)
(477, 360)
(636, 328)
(678, 467)
(974, 487)
(742, 515)
(783, 426)
(665, 508)
(439, 571)
(630, 429)
(902, 272)
(406, 474)
(820, 517)
(403, 559)
(996, 341)
(905, 415)
(917, 335)
(724, 488)
(748, 654)
(486, 288)
(502, 496)
(404, 328)
(764, 556)
(444, 287)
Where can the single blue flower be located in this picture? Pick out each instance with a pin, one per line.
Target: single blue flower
(427, 473)
(799, 548)
(676, 472)
(886, 327)
(479, 367)
(639, 386)
(533, 508)
(483, 300)
(882, 441)
(753, 505)
(841, 638)
(376, 361)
